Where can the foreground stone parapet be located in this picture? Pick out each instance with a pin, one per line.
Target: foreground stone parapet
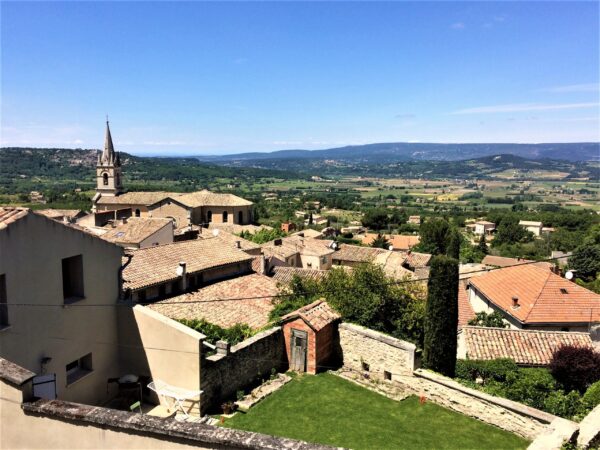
(205, 436)
(589, 429)
(555, 436)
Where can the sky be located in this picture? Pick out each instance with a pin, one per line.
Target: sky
(215, 78)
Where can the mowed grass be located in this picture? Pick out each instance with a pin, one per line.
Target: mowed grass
(330, 410)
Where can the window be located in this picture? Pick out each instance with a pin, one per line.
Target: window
(225, 216)
(209, 216)
(105, 179)
(387, 375)
(72, 275)
(3, 303)
(79, 368)
(563, 291)
(137, 213)
(240, 217)
(365, 366)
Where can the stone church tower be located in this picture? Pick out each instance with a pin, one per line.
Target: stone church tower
(108, 169)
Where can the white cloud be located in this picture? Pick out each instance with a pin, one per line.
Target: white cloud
(521, 107)
(585, 87)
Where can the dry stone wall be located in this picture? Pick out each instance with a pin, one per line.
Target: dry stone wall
(222, 375)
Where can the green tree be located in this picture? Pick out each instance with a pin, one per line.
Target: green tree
(482, 246)
(586, 261)
(376, 219)
(454, 243)
(510, 232)
(441, 317)
(493, 320)
(380, 242)
(434, 236)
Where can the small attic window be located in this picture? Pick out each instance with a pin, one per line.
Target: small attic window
(563, 291)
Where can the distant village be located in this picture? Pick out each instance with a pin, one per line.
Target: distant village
(102, 316)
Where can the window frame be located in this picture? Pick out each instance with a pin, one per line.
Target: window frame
(73, 290)
(80, 368)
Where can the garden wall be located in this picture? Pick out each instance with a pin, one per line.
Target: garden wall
(246, 363)
(382, 356)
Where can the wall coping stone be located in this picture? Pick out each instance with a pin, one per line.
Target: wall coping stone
(13, 373)
(376, 335)
(503, 402)
(589, 428)
(555, 436)
(170, 428)
(257, 337)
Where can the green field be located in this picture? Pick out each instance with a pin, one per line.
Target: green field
(330, 410)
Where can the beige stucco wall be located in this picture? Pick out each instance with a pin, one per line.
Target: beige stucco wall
(31, 253)
(163, 349)
(161, 237)
(232, 214)
(316, 262)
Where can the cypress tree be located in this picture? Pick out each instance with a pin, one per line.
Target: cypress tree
(482, 246)
(453, 248)
(441, 316)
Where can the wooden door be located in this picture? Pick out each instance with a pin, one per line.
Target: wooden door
(299, 344)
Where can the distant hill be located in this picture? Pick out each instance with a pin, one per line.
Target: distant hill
(403, 151)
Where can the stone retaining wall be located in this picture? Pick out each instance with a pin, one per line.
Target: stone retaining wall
(374, 354)
(243, 366)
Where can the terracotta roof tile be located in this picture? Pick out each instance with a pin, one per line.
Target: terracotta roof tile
(284, 275)
(355, 253)
(501, 261)
(156, 265)
(225, 303)
(398, 241)
(465, 310)
(527, 347)
(191, 199)
(317, 315)
(135, 230)
(543, 296)
(9, 215)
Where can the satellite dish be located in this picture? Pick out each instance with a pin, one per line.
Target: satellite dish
(569, 275)
(391, 247)
(216, 232)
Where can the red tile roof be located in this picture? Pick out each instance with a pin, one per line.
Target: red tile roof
(465, 310)
(225, 303)
(9, 215)
(317, 315)
(398, 241)
(543, 296)
(502, 261)
(284, 275)
(526, 347)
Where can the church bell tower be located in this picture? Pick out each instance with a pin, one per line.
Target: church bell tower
(108, 169)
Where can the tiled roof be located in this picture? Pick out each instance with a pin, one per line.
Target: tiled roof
(225, 303)
(59, 213)
(465, 310)
(317, 315)
(156, 265)
(530, 223)
(393, 265)
(355, 253)
(292, 245)
(309, 233)
(526, 347)
(398, 241)
(9, 215)
(284, 275)
(135, 230)
(416, 259)
(501, 261)
(191, 199)
(484, 222)
(543, 296)
(236, 228)
(230, 239)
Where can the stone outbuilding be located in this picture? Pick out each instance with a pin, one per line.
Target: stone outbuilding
(309, 334)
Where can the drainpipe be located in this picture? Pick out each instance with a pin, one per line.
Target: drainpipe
(121, 269)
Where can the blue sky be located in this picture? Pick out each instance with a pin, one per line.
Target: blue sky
(191, 77)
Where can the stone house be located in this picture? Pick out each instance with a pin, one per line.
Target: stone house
(137, 232)
(168, 270)
(484, 227)
(310, 335)
(288, 227)
(532, 297)
(298, 251)
(534, 227)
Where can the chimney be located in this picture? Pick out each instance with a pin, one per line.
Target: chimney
(182, 272)
(238, 244)
(515, 302)
(124, 220)
(277, 242)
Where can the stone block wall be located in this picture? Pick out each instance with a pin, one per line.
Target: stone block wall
(375, 354)
(222, 375)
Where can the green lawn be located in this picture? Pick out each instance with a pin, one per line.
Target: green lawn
(330, 410)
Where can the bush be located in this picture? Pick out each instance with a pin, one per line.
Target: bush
(591, 398)
(530, 386)
(575, 368)
(483, 319)
(563, 405)
(495, 369)
(234, 335)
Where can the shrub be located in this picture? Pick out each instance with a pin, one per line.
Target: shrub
(575, 368)
(530, 386)
(214, 333)
(483, 319)
(563, 405)
(591, 398)
(493, 370)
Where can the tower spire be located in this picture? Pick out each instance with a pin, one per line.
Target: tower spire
(108, 155)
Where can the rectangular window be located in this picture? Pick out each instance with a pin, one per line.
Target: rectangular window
(72, 275)
(79, 368)
(387, 375)
(365, 366)
(3, 302)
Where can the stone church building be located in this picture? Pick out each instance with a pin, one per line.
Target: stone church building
(198, 208)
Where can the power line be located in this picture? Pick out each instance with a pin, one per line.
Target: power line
(261, 297)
